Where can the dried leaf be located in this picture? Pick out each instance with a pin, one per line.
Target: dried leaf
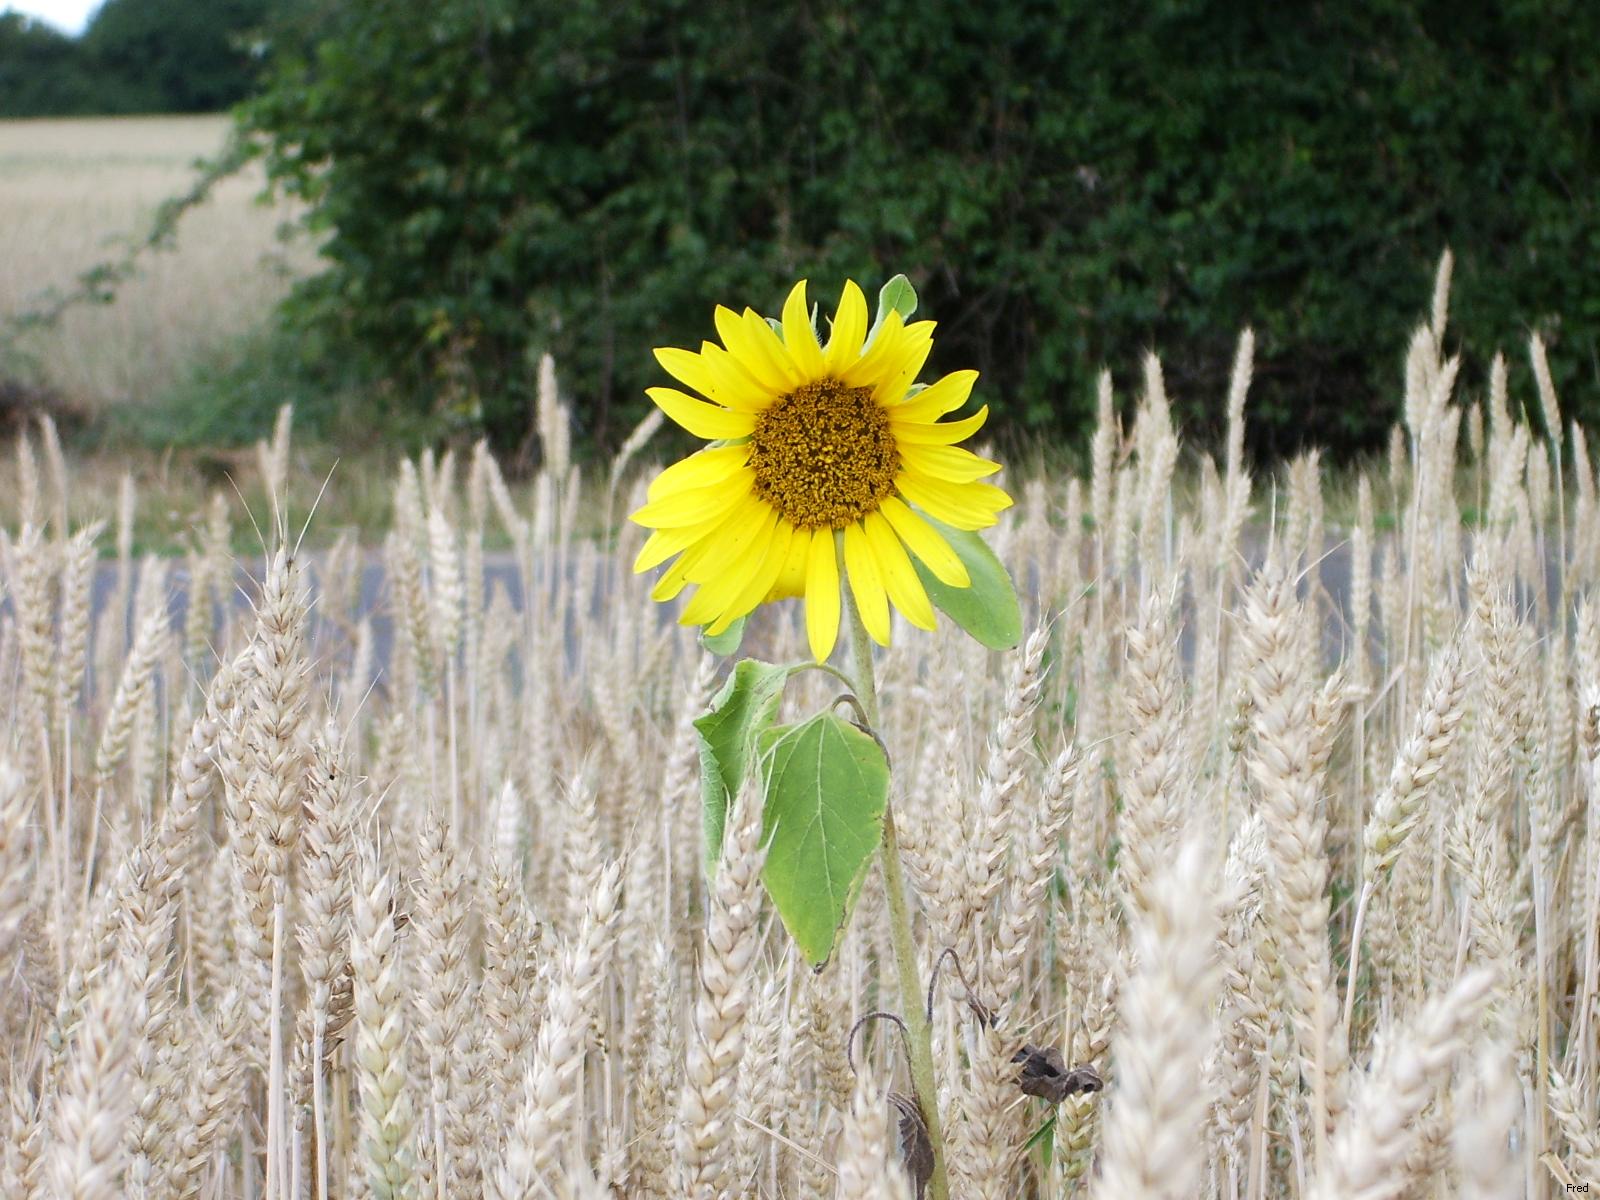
(916, 1148)
(1044, 1074)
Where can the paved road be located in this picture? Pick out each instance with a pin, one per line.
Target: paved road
(1332, 573)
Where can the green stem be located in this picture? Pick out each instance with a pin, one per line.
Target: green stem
(923, 1081)
(829, 669)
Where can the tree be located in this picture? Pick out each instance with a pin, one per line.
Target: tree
(137, 56)
(41, 70)
(187, 57)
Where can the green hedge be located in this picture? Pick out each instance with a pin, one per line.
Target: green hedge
(1066, 184)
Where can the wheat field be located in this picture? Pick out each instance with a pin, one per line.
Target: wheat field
(309, 898)
(76, 192)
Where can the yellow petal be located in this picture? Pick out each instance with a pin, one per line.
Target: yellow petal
(822, 595)
(735, 380)
(701, 469)
(712, 542)
(696, 371)
(925, 543)
(719, 589)
(849, 329)
(902, 369)
(747, 352)
(673, 579)
(699, 418)
(941, 433)
(692, 507)
(899, 577)
(950, 463)
(663, 544)
(791, 579)
(733, 537)
(868, 368)
(755, 591)
(798, 338)
(761, 337)
(947, 395)
(698, 540)
(965, 506)
(866, 583)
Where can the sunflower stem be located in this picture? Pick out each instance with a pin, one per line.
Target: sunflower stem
(923, 1081)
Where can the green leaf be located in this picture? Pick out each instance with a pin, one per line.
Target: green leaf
(827, 789)
(743, 708)
(988, 610)
(726, 643)
(1044, 1136)
(899, 295)
(895, 296)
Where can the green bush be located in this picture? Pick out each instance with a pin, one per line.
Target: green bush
(1067, 185)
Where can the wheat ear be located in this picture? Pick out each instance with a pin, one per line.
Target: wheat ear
(1154, 1127)
(1370, 1152)
(711, 1077)
(385, 1154)
(867, 1169)
(554, 1078)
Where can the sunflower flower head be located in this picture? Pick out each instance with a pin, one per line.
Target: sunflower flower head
(823, 456)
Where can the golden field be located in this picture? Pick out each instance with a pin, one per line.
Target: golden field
(73, 193)
(326, 896)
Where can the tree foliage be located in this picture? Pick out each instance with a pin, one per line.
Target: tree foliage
(1067, 185)
(41, 70)
(137, 56)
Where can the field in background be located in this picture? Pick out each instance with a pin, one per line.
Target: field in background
(73, 193)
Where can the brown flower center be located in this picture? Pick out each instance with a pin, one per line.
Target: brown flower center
(824, 455)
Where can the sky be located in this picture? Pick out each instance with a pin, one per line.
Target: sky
(69, 16)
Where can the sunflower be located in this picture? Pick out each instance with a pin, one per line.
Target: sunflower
(819, 453)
